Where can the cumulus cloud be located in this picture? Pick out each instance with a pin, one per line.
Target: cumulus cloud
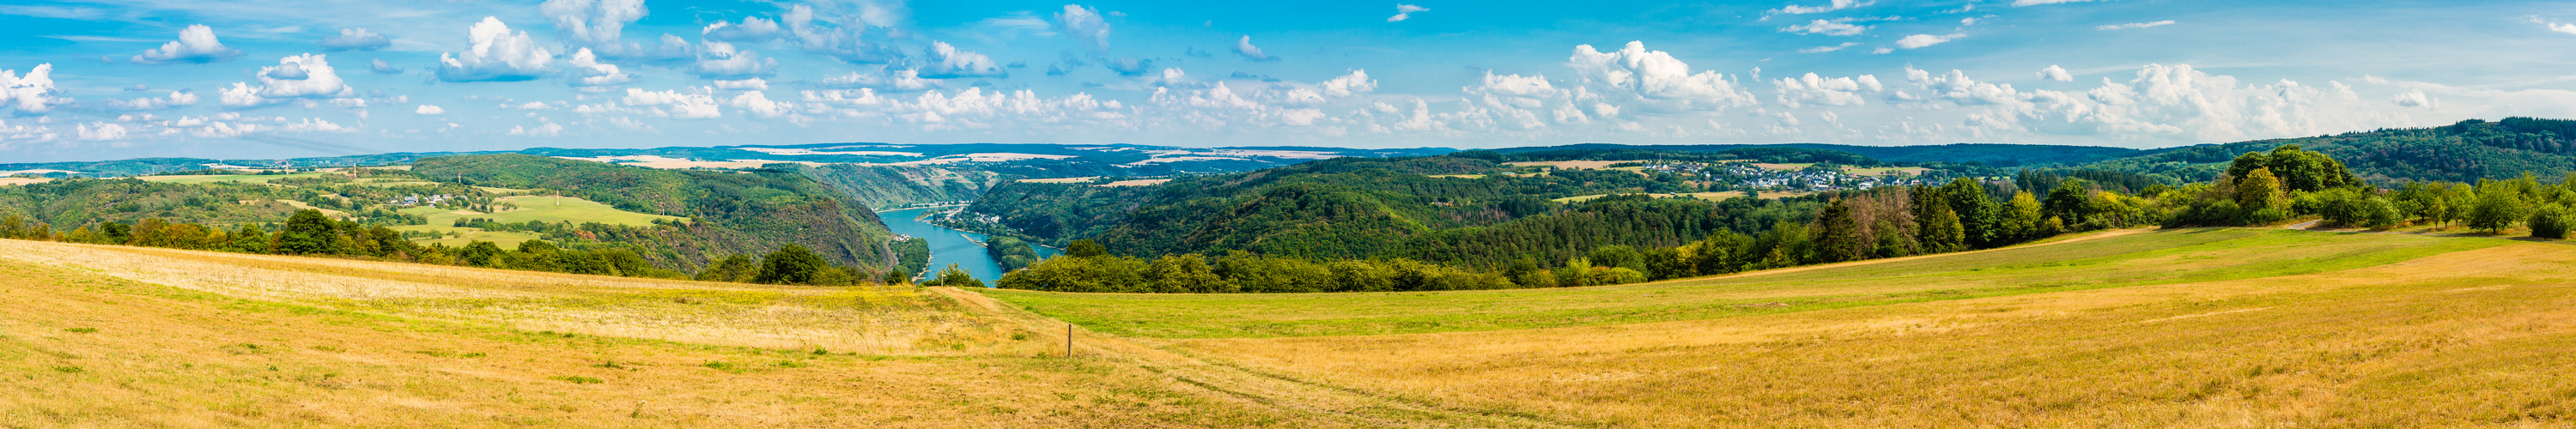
(1250, 53)
(884, 80)
(1082, 23)
(1828, 7)
(595, 23)
(2553, 26)
(1817, 90)
(100, 131)
(2170, 102)
(196, 44)
(723, 60)
(2020, 3)
(1655, 78)
(755, 84)
(547, 129)
(496, 54)
(2134, 25)
(758, 104)
(1824, 49)
(34, 93)
(1405, 11)
(944, 61)
(306, 76)
(380, 66)
(2415, 98)
(428, 110)
(1346, 85)
(698, 103)
(588, 74)
(1824, 27)
(2055, 73)
(844, 38)
(356, 38)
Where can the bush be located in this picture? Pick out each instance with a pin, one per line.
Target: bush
(2549, 222)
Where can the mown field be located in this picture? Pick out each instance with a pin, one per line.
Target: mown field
(123, 337)
(2183, 328)
(2176, 328)
(547, 209)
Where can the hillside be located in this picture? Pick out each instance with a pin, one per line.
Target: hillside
(2181, 328)
(889, 186)
(736, 212)
(2462, 152)
(1998, 155)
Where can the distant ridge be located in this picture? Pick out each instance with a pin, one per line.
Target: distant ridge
(1994, 154)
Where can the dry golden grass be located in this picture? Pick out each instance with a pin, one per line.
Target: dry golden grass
(80, 349)
(2469, 338)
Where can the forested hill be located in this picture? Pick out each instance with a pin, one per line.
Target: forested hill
(1461, 209)
(2465, 151)
(1999, 155)
(734, 212)
(884, 186)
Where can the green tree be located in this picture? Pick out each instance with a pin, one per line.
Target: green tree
(2258, 194)
(1085, 249)
(2024, 216)
(1187, 273)
(249, 239)
(954, 276)
(2549, 221)
(1841, 235)
(2496, 210)
(1940, 231)
(306, 233)
(736, 268)
(792, 264)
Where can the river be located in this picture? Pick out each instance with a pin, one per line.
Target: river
(949, 246)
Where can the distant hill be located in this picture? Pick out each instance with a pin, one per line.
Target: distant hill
(2465, 151)
(1032, 160)
(1998, 155)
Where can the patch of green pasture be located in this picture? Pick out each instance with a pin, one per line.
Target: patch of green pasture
(506, 239)
(566, 209)
(2160, 257)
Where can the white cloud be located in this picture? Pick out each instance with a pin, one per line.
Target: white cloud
(306, 76)
(844, 38)
(2415, 98)
(176, 99)
(2163, 102)
(314, 125)
(1824, 49)
(358, 38)
(1813, 89)
(595, 23)
(2020, 3)
(1129, 66)
(699, 103)
(532, 105)
(2055, 73)
(722, 60)
(1405, 11)
(196, 44)
(496, 55)
(1829, 28)
(2553, 26)
(380, 66)
(1919, 41)
(1829, 7)
(1252, 53)
(2134, 25)
(588, 74)
(429, 110)
(547, 129)
(944, 61)
(888, 80)
(752, 29)
(1346, 85)
(758, 104)
(100, 131)
(1082, 23)
(755, 84)
(1656, 79)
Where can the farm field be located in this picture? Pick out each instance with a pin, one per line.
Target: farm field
(159, 337)
(531, 208)
(2188, 328)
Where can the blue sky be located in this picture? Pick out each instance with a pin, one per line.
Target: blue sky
(278, 78)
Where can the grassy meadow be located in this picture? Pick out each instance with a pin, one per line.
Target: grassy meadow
(122, 337)
(2168, 328)
(526, 208)
(2178, 328)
